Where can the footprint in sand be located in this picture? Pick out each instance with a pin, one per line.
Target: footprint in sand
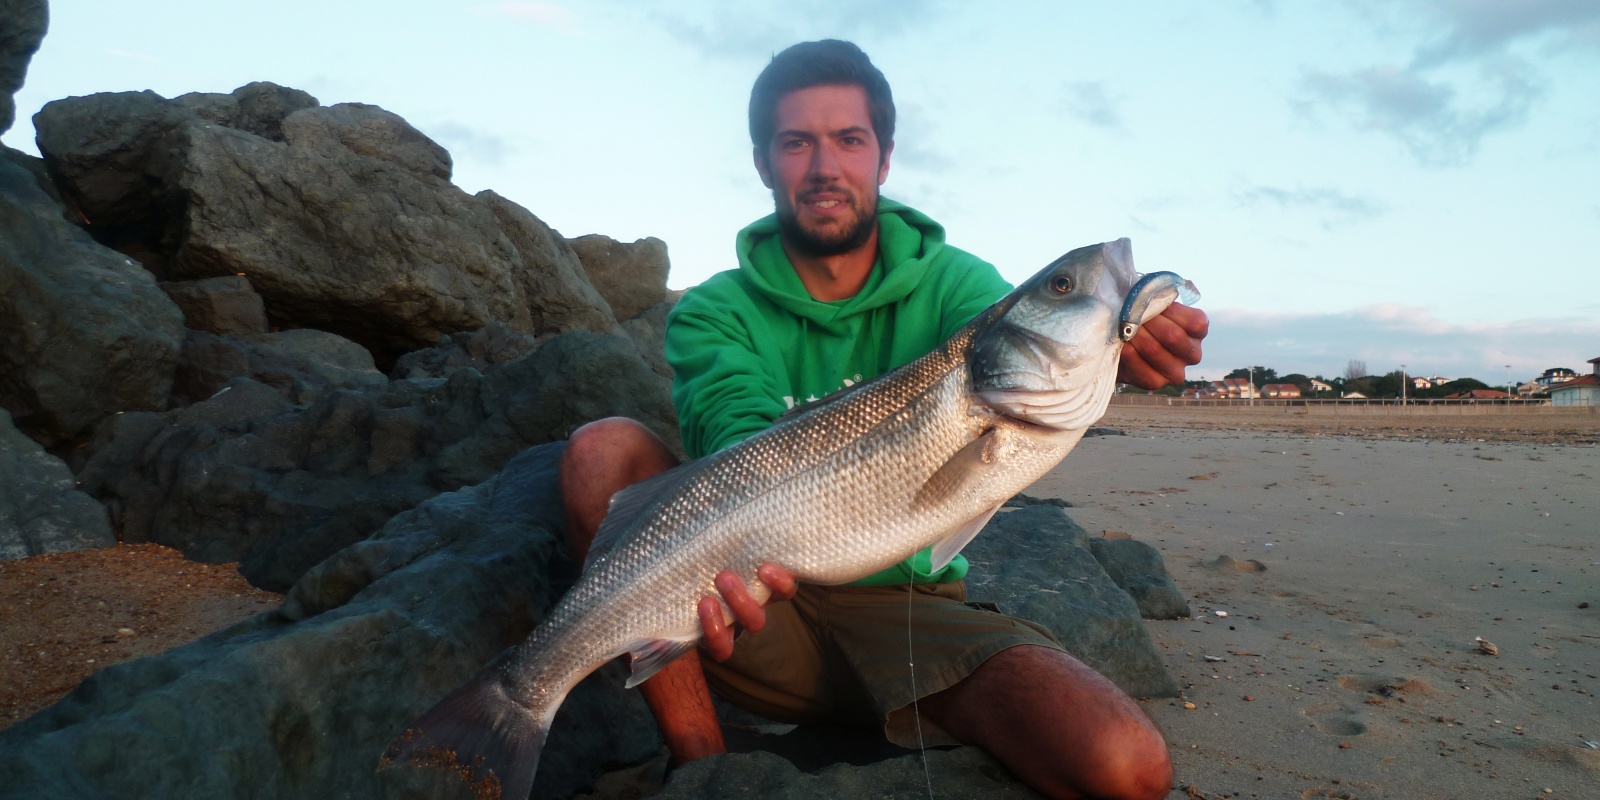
(1332, 720)
(1229, 562)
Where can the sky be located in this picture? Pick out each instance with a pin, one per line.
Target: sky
(1400, 182)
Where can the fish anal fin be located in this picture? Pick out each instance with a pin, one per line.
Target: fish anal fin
(945, 550)
(478, 734)
(958, 470)
(650, 655)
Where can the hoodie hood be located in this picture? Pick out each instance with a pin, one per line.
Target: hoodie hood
(907, 242)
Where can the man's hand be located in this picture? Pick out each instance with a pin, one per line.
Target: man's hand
(1158, 353)
(747, 612)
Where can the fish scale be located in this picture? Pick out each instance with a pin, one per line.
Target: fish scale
(835, 491)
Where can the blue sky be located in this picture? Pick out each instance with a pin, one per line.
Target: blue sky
(1409, 182)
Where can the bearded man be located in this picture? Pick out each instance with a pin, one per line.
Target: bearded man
(840, 285)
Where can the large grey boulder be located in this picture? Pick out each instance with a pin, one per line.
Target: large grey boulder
(1035, 563)
(22, 27)
(348, 225)
(1137, 568)
(257, 108)
(84, 331)
(482, 350)
(631, 277)
(297, 362)
(302, 701)
(222, 305)
(41, 509)
(250, 476)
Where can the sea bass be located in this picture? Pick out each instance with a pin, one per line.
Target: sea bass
(832, 492)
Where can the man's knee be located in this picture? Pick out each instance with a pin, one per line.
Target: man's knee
(1133, 761)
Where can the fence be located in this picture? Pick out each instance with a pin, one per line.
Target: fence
(1340, 407)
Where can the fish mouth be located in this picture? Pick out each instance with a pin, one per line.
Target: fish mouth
(1069, 407)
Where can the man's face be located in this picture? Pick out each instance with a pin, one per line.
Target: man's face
(824, 169)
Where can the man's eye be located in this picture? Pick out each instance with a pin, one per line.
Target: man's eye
(792, 144)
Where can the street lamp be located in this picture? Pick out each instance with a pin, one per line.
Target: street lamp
(1252, 388)
(1509, 393)
(1402, 386)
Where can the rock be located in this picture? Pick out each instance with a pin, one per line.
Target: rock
(648, 330)
(302, 701)
(251, 475)
(1035, 563)
(222, 305)
(22, 27)
(257, 108)
(482, 350)
(631, 277)
(41, 509)
(84, 331)
(298, 363)
(967, 773)
(366, 130)
(1137, 568)
(349, 225)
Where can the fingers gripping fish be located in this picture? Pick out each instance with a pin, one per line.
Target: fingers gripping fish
(833, 492)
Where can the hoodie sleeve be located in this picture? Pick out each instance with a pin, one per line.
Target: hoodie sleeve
(722, 388)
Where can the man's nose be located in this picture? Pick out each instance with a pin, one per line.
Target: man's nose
(824, 162)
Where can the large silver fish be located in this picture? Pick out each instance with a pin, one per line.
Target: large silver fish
(846, 487)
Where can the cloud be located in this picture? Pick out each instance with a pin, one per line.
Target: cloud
(473, 143)
(1471, 75)
(546, 15)
(1386, 336)
(1430, 117)
(1478, 28)
(1092, 104)
(760, 28)
(1333, 207)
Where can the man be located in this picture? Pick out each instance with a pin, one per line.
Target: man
(836, 287)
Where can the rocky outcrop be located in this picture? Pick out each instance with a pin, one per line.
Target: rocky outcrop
(22, 27)
(301, 702)
(84, 331)
(482, 350)
(41, 509)
(251, 475)
(1035, 563)
(349, 224)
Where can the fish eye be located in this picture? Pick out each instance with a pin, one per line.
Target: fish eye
(1061, 284)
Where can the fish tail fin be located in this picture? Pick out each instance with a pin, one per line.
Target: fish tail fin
(479, 734)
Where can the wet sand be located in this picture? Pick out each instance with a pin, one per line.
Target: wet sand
(1357, 560)
(1358, 564)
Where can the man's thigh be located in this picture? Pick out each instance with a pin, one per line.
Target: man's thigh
(842, 655)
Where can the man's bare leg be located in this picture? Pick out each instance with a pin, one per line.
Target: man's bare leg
(602, 458)
(1058, 725)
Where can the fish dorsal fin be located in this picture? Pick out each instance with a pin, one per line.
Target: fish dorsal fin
(957, 470)
(826, 400)
(631, 503)
(945, 550)
(650, 655)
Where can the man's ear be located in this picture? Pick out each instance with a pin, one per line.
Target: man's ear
(761, 166)
(883, 164)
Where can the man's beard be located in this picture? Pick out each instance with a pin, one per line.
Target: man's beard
(816, 244)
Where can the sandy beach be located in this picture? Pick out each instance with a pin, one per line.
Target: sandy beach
(1384, 606)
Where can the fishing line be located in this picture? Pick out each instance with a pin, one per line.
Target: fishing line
(916, 713)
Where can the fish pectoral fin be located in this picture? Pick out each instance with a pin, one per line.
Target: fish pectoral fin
(945, 550)
(650, 655)
(958, 470)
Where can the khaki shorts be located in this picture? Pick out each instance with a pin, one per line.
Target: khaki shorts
(838, 655)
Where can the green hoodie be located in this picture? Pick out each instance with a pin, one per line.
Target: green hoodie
(750, 343)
